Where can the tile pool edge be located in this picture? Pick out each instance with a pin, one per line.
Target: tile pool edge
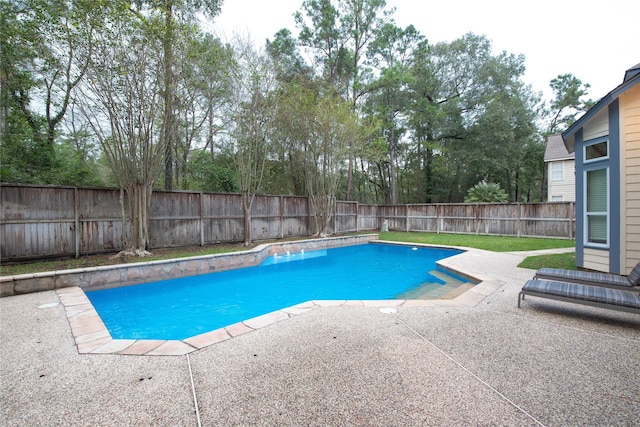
(92, 337)
(108, 276)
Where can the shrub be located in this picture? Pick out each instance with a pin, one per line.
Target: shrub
(486, 192)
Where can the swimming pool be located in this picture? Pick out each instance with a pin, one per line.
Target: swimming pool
(180, 308)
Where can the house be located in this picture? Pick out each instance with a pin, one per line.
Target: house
(561, 171)
(606, 143)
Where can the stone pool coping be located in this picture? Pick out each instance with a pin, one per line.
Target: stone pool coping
(92, 337)
(109, 276)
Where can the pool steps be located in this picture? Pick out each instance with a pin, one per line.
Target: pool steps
(451, 288)
(446, 278)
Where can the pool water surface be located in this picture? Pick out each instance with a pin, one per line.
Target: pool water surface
(180, 308)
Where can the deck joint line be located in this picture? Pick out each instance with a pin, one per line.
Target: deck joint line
(464, 368)
(193, 390)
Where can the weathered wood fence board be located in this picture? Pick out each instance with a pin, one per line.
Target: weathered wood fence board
(98, 216)
(44, 221)
(222, 218)
(368, 218)
(46, 228)
(295, 216)
(345, 217)
(505, 219)
(174, 218)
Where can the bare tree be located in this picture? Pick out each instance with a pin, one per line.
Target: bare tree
(121, 102)
(254, 80)
(319, 127)
(335, 128)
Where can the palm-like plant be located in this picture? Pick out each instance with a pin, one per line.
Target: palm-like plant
(486, 192)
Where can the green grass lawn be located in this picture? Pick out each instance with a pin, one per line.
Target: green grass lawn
(490, 243)
(497, 244)
(566, 261)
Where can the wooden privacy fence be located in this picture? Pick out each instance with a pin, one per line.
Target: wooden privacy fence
(39, 221)
(504, 219)
(43, 221)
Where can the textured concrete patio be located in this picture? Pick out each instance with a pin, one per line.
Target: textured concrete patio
(548, 363)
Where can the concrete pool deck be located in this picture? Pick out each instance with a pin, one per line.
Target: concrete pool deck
(476, 363)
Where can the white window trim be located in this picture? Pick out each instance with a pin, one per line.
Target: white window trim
(594, 142)
(561, 165)
(587, 243)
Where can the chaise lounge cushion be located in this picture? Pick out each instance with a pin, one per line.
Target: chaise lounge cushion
(634, 276)
(591, 277)
(586, 293)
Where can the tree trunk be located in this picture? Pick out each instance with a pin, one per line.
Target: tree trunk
(139, 196)
(428, 176)
(322, 207)
(393, 195)
(168, 122)
(349, 176)
(246, 209)
(517, 189)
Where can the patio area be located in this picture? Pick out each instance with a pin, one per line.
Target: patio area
(547, 363)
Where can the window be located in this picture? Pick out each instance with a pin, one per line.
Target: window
(557, 171)
(557, 198)
(597, 151)
(597, 202)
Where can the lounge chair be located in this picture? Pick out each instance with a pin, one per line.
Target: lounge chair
(595, 296)
(606, 280)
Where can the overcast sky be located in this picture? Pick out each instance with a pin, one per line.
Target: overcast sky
(596, 42)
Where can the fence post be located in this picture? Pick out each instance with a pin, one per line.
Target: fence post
(281, 216)
(201, 218)
(519, 219)
(335, 216)
(309, 216)
(76, 220)
(407, 216)
(477, 218)
(357, 205)
(572, 210)
(124, 223)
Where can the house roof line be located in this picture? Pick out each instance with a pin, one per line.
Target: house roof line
(555, 149)
(559, 159)
(568, 136)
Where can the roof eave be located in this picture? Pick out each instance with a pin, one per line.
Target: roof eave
(559, 159)
(569, 135)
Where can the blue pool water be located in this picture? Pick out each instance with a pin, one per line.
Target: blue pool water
(181, 308)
